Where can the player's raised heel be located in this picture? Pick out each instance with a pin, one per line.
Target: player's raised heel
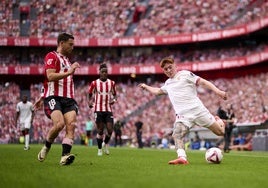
(67, 159)
(43, 153)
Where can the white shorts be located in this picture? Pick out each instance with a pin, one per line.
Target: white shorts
(200, 116)
(25, 125)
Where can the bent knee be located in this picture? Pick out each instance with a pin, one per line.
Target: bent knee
(70, 127)
(73, 124)
(220, 133)
(60, 125)
(217, 128)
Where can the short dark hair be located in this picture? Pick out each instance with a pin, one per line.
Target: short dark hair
(103, 65)
(64, 37)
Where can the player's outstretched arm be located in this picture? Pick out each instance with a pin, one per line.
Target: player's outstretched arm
(211, 86)
(153, 90)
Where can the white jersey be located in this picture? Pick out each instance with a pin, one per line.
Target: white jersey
(26, 111)
(182, 92)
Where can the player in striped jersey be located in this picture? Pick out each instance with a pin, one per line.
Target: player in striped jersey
(58, 97)
(101, 97)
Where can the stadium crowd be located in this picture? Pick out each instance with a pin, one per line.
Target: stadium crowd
(111, 19)
(140, 56)
(249, 102)
(182, 16)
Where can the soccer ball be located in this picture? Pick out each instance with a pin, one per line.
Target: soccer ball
(214, 155)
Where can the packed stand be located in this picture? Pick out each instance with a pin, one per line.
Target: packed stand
(8, 25)
(110, 19)
(99, 18)
(249, 101)
(139, 56)
(9, 94)
(186, 16)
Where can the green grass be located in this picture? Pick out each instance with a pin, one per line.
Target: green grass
(129, 168)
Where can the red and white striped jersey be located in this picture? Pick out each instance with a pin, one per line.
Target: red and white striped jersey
(63, 87)
(103, 92)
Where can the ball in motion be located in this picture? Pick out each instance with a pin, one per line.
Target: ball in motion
(214, 155)
(21, 140)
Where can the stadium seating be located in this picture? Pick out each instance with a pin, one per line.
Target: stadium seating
(116, 18)
(157, 118)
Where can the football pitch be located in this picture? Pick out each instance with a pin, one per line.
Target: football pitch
(129, 168)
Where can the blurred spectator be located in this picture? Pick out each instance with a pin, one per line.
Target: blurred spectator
(89, 128)
(118, 133)
(139, 125)
(242, 143)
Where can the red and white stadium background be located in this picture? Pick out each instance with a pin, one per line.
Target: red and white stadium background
(143, 41)
(145, 69)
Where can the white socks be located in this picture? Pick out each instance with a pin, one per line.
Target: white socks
(181, 153)
(27, 139)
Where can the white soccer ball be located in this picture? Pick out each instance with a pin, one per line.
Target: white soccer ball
(214, 155)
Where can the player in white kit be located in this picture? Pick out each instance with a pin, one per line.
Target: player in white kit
(181, 88)
(25, 115)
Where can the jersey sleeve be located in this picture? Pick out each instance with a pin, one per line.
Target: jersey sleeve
(17, 107)
(32, 107)
(163, 87)
(91, 87)
(191, 77)
(51, 61)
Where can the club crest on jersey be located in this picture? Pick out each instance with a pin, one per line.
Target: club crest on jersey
(177, 77)
(65, 67)
(49, 61)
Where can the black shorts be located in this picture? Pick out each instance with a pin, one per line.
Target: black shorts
(104, 117)
(88, 133)
(59, 103)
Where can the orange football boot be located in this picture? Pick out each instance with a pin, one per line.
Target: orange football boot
(179, 160)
